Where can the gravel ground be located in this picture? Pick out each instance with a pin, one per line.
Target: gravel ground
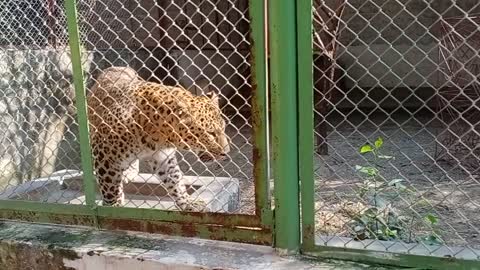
(441, 188)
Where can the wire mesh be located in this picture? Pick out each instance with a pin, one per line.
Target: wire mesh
(39, 131)
(202, 46)
(396, 125)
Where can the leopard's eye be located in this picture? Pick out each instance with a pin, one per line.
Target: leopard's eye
(211, 133)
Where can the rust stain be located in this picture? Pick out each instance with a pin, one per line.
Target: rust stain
(262, 236)
(23, 216)
(160, 228)
(257, 177)
(30, 216)
(309, 230)
(121, 224)
(195, 214)
(71, 220)
(217, 218)
(147, 226)
(189, 230)
(256, 128)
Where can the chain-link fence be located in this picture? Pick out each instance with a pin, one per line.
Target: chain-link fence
(395, 101)
(396, 125)
(202, 46)
(39, 145)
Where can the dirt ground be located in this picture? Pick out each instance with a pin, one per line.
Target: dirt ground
(440, 188)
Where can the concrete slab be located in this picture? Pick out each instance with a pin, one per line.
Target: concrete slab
(143, 191)
(35, 246)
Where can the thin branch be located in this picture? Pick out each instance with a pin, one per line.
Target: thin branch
(318, 17)
(319, 42)
(327, 11)
(339, 15)
(316, 33)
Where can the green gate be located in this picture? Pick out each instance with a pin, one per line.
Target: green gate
(97, 26)
(372, 124)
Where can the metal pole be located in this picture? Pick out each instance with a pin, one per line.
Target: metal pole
(80, 98)
(306, 120)
(260, 112)
(283, 39)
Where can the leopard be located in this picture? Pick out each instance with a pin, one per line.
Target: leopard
(132, 119)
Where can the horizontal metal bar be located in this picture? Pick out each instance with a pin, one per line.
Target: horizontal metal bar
(62, 214)
(392, 259)
(223, 219)
(205, 231)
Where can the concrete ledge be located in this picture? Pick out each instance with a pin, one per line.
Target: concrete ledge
(142, 191)
(39, 247)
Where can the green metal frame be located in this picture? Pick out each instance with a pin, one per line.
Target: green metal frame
(305, 121)
(291, 226)
(260, 122)
(283, 85)
(81, 102)
(306, 170)
(256, 228)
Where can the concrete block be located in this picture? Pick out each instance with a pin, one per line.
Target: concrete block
(144, 191)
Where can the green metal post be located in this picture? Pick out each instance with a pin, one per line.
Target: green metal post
(283, 83)
(80, 98)
(305, 120)
(260, 112)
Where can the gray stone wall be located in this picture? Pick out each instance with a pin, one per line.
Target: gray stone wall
(38, 127)
(390, 47)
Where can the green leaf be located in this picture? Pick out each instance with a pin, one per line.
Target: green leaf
(432, 219)
(359, 228)
(366, 148)
(365, 219)
(392, 233)
(380, 202)
(422, 202)
(401, 187)
(382, 221)
(367, 170)
(432, 240)
(379, 142)
(371, 212)
(394, 182)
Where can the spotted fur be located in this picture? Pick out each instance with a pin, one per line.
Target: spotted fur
(132, 119)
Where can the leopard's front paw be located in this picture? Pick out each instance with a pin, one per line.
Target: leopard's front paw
(196, 206)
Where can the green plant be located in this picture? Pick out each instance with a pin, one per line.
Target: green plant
(433, 238)
(379, 219)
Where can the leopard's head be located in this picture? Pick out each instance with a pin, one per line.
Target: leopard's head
(202, 127)
(189, 122)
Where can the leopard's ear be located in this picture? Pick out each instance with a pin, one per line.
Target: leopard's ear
(213, 96)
